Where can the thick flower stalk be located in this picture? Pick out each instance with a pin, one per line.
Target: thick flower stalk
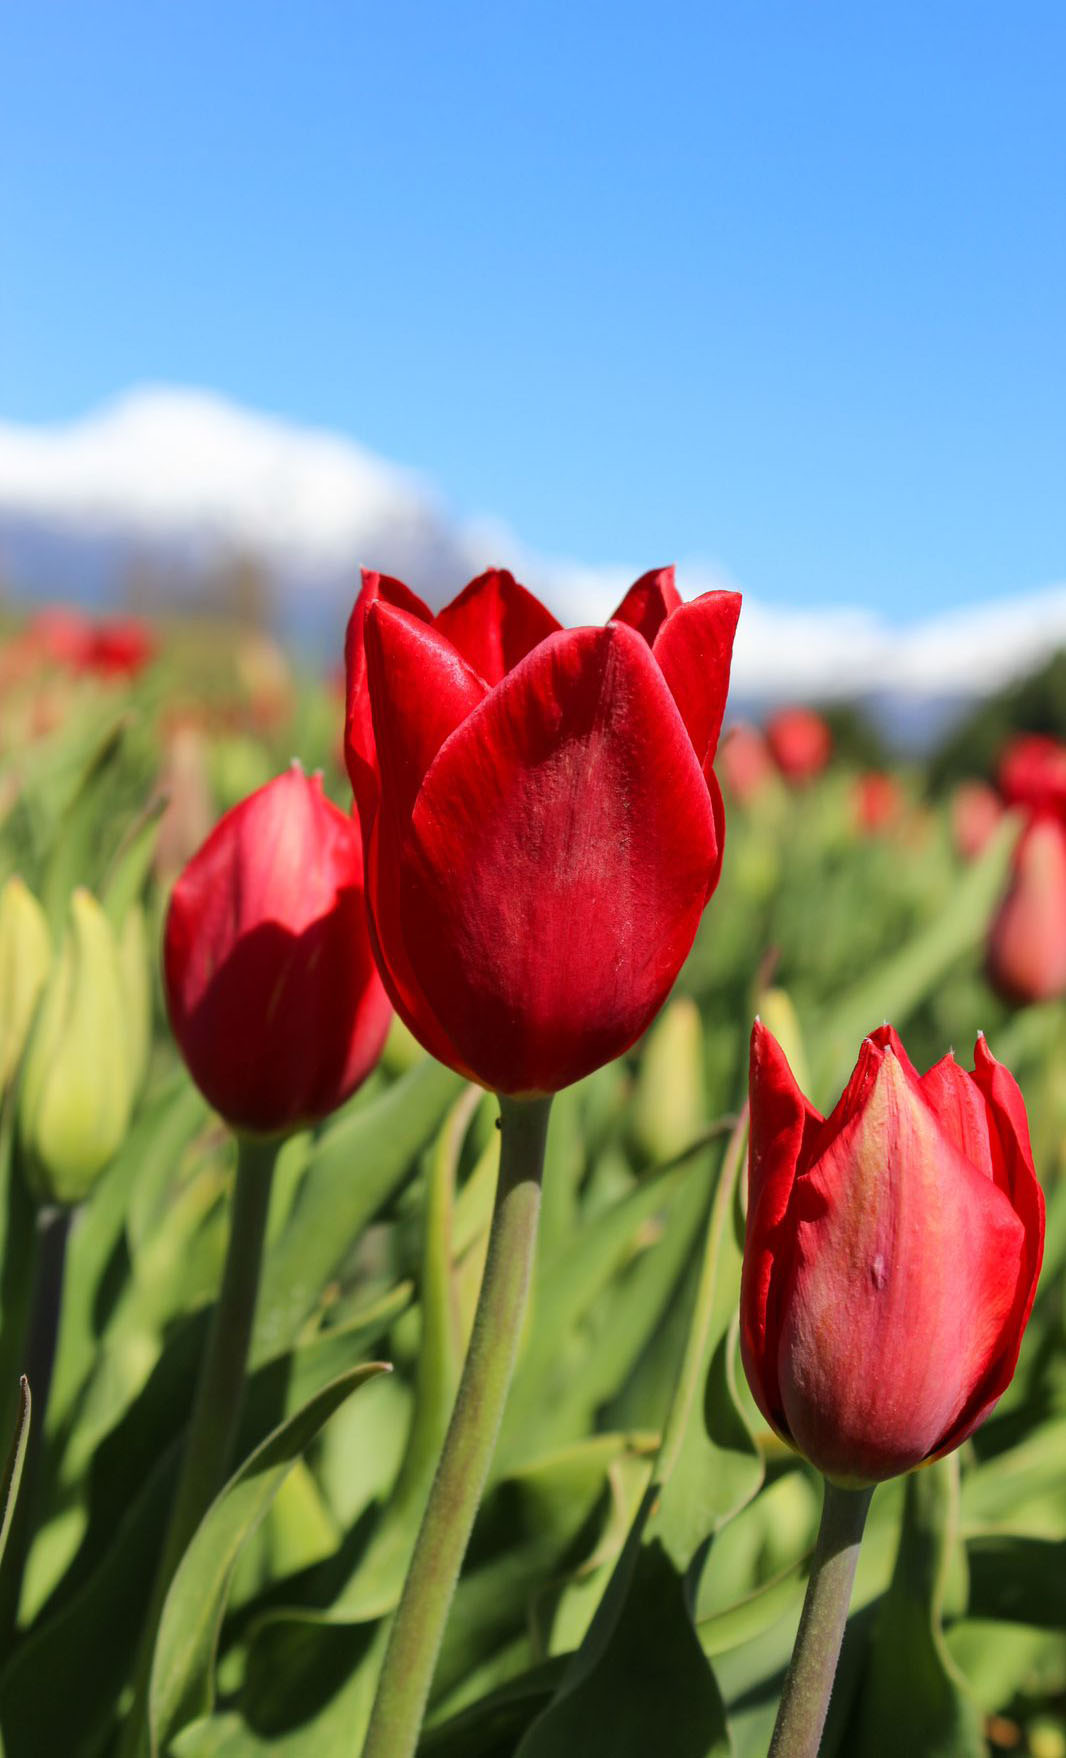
(892, 1255)
(542, 822)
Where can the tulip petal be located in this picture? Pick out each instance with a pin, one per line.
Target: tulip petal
(494, 623)
(560, 855)
(781, 1119)
(1013, 1172)
(694, 648)
(359, 750)
(961, 1110)
(648, 603)
(420, 689)
(906, 1273)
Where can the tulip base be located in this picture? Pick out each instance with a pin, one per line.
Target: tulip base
(418, 1627)
(812, 1669)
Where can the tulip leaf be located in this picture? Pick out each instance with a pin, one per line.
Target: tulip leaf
(911, 1695)
(183, 1663)
(132, 863)
(357, 1164)
(12, 1475)
(1018, 1580)
(73, 859)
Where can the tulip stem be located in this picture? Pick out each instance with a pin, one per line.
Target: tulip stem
(418, 1627)
(216, 1409)
(812, 1669)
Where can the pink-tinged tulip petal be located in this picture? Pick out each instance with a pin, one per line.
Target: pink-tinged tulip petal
(693, 648)
(272, 991)
(648, 603)
(894, 1256)
(359, 751)
(781, 1119)
(1027, 940)
(897, 1238)
(494, 623)
(560, 855)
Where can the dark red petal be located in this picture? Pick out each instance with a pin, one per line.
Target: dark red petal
(494, 623)
(780, 1118)
(420, 690)
(561, 853)
(271, 988)
(961, 1110)
(359, 752)
(648, 603)
(907, 1265)
(694, 648)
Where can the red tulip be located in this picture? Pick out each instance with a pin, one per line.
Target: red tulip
(878, 800)
(271, 987)
(542, 823)
(1032, 773)
(800, 741)
(892, 1255)
(745, 762)
(1027, 940)
(976, 810)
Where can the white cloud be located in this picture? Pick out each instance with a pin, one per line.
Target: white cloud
(163, 467)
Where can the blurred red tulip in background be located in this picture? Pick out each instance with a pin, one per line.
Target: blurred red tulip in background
(800, 741)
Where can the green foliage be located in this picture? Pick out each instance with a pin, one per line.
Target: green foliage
(637, 1568)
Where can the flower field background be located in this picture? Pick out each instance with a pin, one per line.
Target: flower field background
(639, 1562)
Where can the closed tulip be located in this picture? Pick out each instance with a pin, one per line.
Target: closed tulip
(271, 987)
(800, 741)
(542, 821)
(1027, 940)
(892, 1255)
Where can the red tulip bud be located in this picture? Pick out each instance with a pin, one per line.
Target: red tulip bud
(1032, 773)
(879, 802)
(800, 741)
(1027, 940)
(271, 987)
(976, 810)
(745, 762)
(892, 1255)
(542, 822)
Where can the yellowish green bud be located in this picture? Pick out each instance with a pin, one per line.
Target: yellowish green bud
(25, 958)
(670, 1099)
(76, 1091)
(779, 1017)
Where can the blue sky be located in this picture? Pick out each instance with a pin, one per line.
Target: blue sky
(776, 285)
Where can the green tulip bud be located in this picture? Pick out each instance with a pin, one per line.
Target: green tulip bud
(25, 958)
(76, 1094)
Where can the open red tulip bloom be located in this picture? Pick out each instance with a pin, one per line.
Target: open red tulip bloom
(892, 1255)
(271, 987)
(542, 823)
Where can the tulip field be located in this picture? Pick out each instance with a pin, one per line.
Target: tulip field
(489, 1217)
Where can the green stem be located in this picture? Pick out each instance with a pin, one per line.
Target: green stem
(216, 1409)
(52, 1228)
(812, 1669)
(418, 1627)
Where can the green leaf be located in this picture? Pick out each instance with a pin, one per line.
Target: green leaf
(132, 863)
(911, 1697)
(74, 858)
(183, 1663)
(358, 1163)
(12, 1477)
